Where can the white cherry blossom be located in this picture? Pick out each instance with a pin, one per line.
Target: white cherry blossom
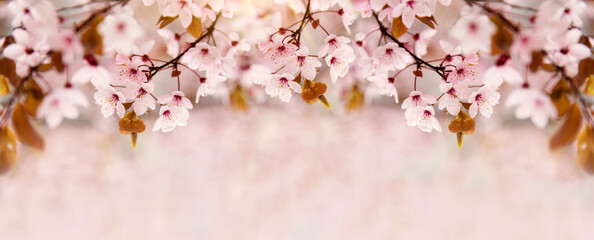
(303, 63)
(339, 61)
(423, 117)
(331, 43)
(175, 99)
(533, 104)
(61, 103)
(171, 117)
(119, 32)
(408, 9)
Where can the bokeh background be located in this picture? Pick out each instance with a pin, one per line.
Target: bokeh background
(297, 171)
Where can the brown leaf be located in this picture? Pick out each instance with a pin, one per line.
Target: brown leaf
(398, 28)
(130, 123)
(462, 123)
(315, 23)
(312, 90)
(4, 88)
(586, 69)
(24, 130)
(8, 69)
(569, 130)
(537, 58)
(585, 153)
(559, 97)
(175, 73)
(8, 154)
(502, 39)
(34, 98)
(418, 73)
(56, 60)
(164, 21)
(355, 99)
(429, 21)
(91, 40)
(195, 28)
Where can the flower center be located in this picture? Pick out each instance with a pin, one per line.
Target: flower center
(29, 51)
(564, 51)
(91, 60)
(502, 60)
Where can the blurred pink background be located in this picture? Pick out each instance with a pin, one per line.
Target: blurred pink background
(299, 172)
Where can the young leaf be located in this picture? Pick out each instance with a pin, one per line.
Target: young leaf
(355, 99)
(34, 98)
(589, 86)
(559, 97)
(238, 100)
(133, 139)
(91, 40)
(4, 89)
(586, 69)
(315, 23)
(324, 101)
(398, 28)
(502, 39)
(429, 21)
(24, 130)
(312, 90)
(195, 28)
(537, 60)
(462, 123)
(56, 60)
(8, 155)
(164, 21)
(131, 123)
(585, 153)
(8, 69)
(569, 130)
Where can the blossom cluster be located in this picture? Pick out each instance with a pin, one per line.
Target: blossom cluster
(240, 54)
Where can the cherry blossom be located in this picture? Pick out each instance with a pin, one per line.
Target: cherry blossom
(418, 99)
(110, 100)
(202, 57)
(409, 8)
(450, 99)
(423, 117)
(391, 57)
(422, 39)
(208, 85)
(93, 72)
(474, 32)
(463, 72)
(143, 100)
(281, 85)
(27, 51)
(279, 52)
(502, 71)
(119, 32)
(339, 61)
(571, 12)
(185, 9)
(303, 63)
(172, 40)
(175, 99)
(331, 43)
(484, 99)
(61, 103)
(171, 117)
(533, 104)
(385, 85)
(566, 51)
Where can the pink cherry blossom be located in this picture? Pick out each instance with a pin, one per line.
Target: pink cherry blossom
(331, 43)
(303, 63)
(484, 99)
(185, 9)
(533, 104)
(566, 51)
(143, 100)
(172, 40)
(171, 117)
(450, 99)
(391, 57)
(408, 9)
(281, 86)
(175, 99)
(385, 85)
(93, 72)
(418, 99)
(423, 117)
(462, 72)
(339, 61)
(474, 32)
(208, 85)
(119, 32)
(27, 51)
(422, 39)
(502, 71)
(61, 103)
(202, 57)
(110, 100)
